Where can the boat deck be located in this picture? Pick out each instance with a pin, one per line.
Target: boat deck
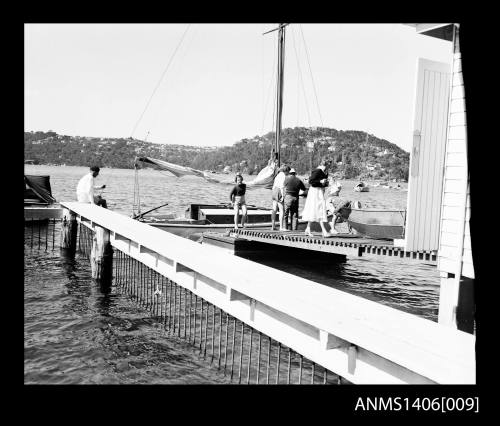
(42, 211)
(343, 244)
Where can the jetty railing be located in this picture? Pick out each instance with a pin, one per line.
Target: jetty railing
(354, 338)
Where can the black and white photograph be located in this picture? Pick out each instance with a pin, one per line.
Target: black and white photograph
(248, 204)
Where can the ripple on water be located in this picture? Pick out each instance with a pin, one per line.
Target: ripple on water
(74, 334)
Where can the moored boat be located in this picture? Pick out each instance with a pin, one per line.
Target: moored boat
(37, 190)
(39, 204)
(200, 218)
(361, 187)
(378, 223)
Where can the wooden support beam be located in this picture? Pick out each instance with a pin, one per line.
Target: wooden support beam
(101, 257)
(456, 303)
(236, 295)
(69, 231)
(352, 354)
(329, 341)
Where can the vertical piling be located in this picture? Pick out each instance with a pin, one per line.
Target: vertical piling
(101, 257)
(69, 229)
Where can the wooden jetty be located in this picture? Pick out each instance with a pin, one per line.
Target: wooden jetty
(341, 244)
(358, 339)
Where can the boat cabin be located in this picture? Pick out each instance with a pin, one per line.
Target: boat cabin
(224, 214)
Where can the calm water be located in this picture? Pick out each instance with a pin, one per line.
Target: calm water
(76, 334)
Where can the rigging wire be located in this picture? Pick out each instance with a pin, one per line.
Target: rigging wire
(301, 79)
(269, 91)
(161, 79)
(312, 79)
(181, 62)
(136, 205)
(298, 85)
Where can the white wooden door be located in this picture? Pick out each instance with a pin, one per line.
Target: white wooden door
(427, 156)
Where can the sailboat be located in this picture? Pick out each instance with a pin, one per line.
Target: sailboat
(199, 218)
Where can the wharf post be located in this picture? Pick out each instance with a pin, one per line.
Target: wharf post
(69, 231)
(101, 256)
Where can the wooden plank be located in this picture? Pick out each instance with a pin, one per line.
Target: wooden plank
(451, 212)
(455, 172)
(449, 252)
(449, 239)
(468, 270)
(457, 105)
(467, 253)
(450, 226)
(452, 199)
(454, 186)
(457, 119)
(467, 243)
(457, 92)
(458, 79)
(457, 132)
(446, 264)
(456, 159)
(456, 145)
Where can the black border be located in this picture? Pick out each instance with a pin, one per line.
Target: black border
(256, 403)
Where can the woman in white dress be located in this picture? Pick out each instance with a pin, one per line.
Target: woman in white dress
(315, 205)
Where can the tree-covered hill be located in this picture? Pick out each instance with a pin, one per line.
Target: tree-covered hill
(355, 153)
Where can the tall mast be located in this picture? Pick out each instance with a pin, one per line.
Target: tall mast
(279, 88)
(279, 94)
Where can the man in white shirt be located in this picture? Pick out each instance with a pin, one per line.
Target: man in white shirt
(278, 196)
(85, 189)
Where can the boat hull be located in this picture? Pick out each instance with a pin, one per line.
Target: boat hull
(195, 231)
(201, 218)
(380, 224)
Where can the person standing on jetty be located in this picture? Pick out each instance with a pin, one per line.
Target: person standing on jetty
(292, 187)
(315, 206)
(85, 189)
(237, 197)
(278, 196)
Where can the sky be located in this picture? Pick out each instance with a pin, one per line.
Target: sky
(215, 84)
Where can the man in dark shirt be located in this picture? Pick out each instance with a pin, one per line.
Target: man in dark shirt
(292, 187)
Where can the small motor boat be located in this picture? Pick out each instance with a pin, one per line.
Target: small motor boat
(361, 187)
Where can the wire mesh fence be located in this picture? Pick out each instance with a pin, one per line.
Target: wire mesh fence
(41, 235)
(246, 355)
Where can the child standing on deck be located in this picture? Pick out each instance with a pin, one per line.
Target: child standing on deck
(237, 197)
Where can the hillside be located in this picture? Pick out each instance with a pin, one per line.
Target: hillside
(355, 153)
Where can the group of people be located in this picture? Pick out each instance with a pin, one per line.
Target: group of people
(285, 199)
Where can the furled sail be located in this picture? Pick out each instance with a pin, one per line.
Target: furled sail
(177, 170)
(265, 178)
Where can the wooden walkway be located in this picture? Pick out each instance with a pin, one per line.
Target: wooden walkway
(361, 340)
(343, 244)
